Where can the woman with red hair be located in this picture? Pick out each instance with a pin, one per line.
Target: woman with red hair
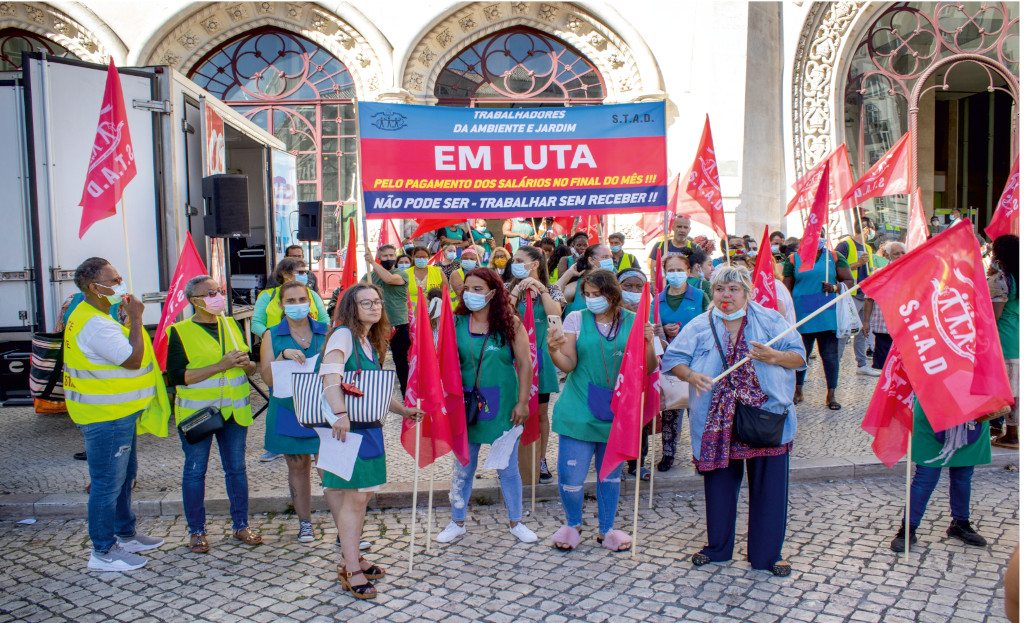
(491, 342)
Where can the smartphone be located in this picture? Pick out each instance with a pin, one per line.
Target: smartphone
(554, 325)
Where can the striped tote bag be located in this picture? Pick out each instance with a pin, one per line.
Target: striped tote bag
(370, 408)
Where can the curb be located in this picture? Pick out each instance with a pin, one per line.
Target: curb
(19, 506)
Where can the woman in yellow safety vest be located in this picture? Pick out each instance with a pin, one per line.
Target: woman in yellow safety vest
(208, 361)
(422, 275)
(452, 269)
(269, 312)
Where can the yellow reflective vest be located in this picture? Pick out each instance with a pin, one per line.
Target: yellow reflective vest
(228, 391)
(275, 313)
(851, 258)
(103, 392)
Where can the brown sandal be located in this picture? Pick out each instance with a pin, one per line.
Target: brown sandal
(362, 591)
(248, 536)
(375, 572)
(197, 543)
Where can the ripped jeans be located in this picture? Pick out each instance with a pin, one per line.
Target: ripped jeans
(110, 453)
(511, 485)
(574, 457)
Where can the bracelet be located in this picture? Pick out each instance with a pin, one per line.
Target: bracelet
(334, 385)
(341, 414)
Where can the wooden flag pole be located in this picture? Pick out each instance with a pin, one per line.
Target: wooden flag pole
(650, 451)
(415, 489)
(127, 254)
(790, 330)
(636, 492)
(906, 508)
(430, 506)
(534, 474)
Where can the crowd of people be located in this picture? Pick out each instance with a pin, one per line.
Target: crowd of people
(585, 299)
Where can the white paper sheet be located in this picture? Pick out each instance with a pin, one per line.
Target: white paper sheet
(501, 449)
(283, 371)
(337, 457)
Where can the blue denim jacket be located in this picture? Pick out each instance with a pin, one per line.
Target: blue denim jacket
(695, 347)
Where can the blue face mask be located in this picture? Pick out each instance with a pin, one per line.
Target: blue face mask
(474, 301)
(616, 248)
(302, 278)
(632, 298)
(675, 280)
(519, 271)
(607, 264)
(404, 266)
(450, 256)
(421, 262)
(297, 311)
(597, 304)
(408, 248)
(736, 315)
(468, 265)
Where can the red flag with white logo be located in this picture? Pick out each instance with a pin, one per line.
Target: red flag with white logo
(189, 265)
(425, 386)
(590, 224)
(890, 416)
(531, 430)
(451, 380)
(703, 184)
(631, 384)
(425, 225)
(888, 176)
(917, 228)
(112, 163)
(936, 304)
(1006, 216)
(389, 235)
(808, 250)
(764, 275)
(839, 182)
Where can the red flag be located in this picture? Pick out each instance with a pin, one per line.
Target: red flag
(764, 275)
(425, 386)
(808, 250)
(890, 416)
(839, 182)
(431, 224)
(389, 234)
(350, 272)
(112, 163)
(189, 265)
(917, 229)
(1006, 217)
(652, 224)
(451, 381)
(562, 224)
(659, 282)
(631, 385)
(531, 430)
(703, 183)
(437, 258)
(590, 224)
(888, 176)
(937, 308)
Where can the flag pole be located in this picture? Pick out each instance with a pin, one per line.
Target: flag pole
(415, 490)
(430, 505)
(789, 330)
(127, 254)
(650, 451)
(906, 507)
(534, 474)
(636, 492)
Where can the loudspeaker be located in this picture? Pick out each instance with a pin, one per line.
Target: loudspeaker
(227, 206)
(310, 224)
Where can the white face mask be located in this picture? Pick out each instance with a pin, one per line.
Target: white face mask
(120, 290)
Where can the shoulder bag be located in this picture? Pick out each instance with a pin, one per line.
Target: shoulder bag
(474, 399)
(367, 395)
(207, 420)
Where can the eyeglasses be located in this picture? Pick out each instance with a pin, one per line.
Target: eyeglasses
(368, 304)
(209, 295)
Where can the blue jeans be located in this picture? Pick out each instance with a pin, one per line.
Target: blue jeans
(574, 458)
(925, 480)
(231, 442)
(110, 453)
(511, 485)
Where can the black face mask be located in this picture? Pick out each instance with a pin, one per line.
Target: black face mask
(388, 264)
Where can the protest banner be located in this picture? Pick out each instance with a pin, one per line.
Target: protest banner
(485, 163)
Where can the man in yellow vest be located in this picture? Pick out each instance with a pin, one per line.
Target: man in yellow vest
(620, 258)
(858, 254)
(114, 389)
(673, 246)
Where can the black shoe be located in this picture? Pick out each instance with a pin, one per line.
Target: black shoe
(869, 352)
(665, 464)
(899, 544)
(545, 473)
(961, 529)
(79, 456)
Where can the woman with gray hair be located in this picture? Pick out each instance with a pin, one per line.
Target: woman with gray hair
(759, 390)
(208, 361)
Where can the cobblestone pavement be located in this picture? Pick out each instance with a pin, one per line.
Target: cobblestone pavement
(37, 449)
(837, 542)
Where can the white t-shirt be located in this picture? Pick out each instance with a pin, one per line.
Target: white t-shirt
(785, 299)
(103, 342)
(574, 322)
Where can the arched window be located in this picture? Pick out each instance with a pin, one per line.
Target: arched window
(519, 67)
(303, 95)
(14, 41)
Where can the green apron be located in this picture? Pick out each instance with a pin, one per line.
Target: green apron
(927, 445)
(497, 380)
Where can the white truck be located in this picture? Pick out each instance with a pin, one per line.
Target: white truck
(48, 116)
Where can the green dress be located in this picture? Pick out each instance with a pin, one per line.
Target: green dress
(371, 466)
(927, 444)
(546, 375)
(497, 380)
(583, 411)
(284, 434)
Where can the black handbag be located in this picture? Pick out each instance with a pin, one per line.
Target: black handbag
(753, 426)
(207, 420)
(473, 399)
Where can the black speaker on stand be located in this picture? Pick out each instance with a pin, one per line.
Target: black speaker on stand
(226, 215)
(311, 227)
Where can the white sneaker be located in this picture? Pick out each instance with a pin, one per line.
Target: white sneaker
(452, 532)
(868, 371)
(141, 542)
(523, 533)
(116, 560)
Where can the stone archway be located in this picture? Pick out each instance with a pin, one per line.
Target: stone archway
(181, 45)
(446, 37)
(46, 21)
